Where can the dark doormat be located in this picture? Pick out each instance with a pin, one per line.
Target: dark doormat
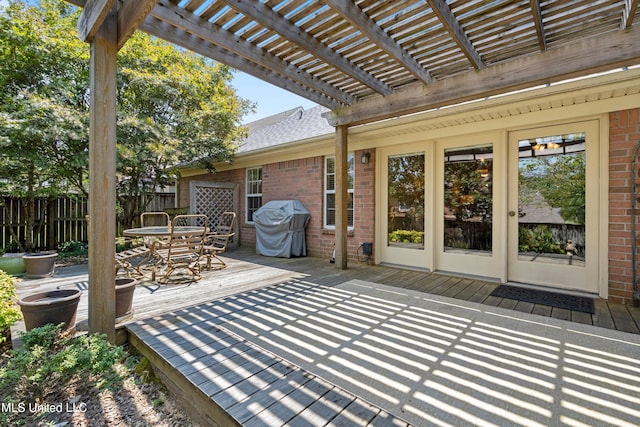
(553, 299)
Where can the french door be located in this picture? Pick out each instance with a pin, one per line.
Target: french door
(520, 206)
(552, 214)
(469, 177)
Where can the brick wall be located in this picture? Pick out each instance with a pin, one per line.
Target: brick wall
(624, 134)
(303, 180)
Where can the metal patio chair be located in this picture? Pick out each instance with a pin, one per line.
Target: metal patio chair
(216, 242)
(183, 250)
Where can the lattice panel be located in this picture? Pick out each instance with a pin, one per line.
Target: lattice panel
(213, 201)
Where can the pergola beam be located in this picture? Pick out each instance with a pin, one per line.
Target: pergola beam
(580, 58)
(351, 12)
(263, 14)
(130, 15)
(191, 23)
(92, 16)
(451, 24)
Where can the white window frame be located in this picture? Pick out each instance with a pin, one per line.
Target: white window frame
(250, 194)
(327, 191)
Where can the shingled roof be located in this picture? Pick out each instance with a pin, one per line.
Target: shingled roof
(292, 125)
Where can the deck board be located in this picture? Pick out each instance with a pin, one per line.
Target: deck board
(232, 351)
(253, 387)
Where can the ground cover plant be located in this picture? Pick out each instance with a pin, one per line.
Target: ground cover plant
(9, 310)
(57, 378)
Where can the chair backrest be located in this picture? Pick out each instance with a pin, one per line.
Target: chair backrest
(183, 242)
(191, 220)
(226, 223)
(154, 218)
(223, 233)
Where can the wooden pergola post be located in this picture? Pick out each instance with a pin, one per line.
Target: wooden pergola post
(342, 200)
(102, 179)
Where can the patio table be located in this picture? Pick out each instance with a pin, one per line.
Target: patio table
(148, 260)
(162, 231)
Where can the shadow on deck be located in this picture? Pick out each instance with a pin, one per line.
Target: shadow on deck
(272, 341)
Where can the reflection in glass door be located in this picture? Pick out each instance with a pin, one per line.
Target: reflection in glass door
(551, 199)
(405, 200)
(468, 200)
(466, 229)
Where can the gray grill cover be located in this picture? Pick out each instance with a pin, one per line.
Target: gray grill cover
(280, 226)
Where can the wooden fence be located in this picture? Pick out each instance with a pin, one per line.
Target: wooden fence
(57, 220)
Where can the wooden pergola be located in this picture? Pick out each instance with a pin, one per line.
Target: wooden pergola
(365, 60)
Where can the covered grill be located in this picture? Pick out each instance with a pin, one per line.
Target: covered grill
(280, 228)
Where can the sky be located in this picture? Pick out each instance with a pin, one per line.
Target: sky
(270, 98)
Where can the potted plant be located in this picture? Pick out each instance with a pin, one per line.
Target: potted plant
(125, 286)
(40, 264)
(9, 311)
(12, 263)
(57, 306)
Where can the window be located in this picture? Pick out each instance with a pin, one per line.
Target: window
(405, 227)
(254, 192)
(468, 199)
(330, 191)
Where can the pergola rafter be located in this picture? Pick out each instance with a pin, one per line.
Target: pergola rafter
(359, 19)
(629, 12)
(255, 59)
(448, 19)
(537, 21)
(266, 16)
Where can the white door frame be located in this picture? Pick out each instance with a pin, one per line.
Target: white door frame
(584, 277)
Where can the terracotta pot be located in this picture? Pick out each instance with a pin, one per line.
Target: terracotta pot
(59, 306)
(124, 297)
(12, 264)
(39, 265)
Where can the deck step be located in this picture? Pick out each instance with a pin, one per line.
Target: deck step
(224, 379)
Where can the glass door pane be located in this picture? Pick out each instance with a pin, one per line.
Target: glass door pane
(552, 199)
(468, 200)
(405, 206)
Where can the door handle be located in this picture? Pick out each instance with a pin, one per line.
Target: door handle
(512, 213)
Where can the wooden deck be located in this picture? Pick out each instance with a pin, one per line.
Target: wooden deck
(320, 271)
(247, 270)
(186, 330)
(280, 354)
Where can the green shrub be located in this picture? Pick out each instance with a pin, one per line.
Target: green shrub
(538, 239)
(73, 248)
(406, 236)
(50, 358)
(9, 310)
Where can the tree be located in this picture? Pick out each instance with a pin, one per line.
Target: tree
(560, 179)
(43, 110)
(173, 106)
(406, 192)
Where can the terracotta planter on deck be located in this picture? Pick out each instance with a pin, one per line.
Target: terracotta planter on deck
(40, 264)
(124, 298)
(59, 306)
